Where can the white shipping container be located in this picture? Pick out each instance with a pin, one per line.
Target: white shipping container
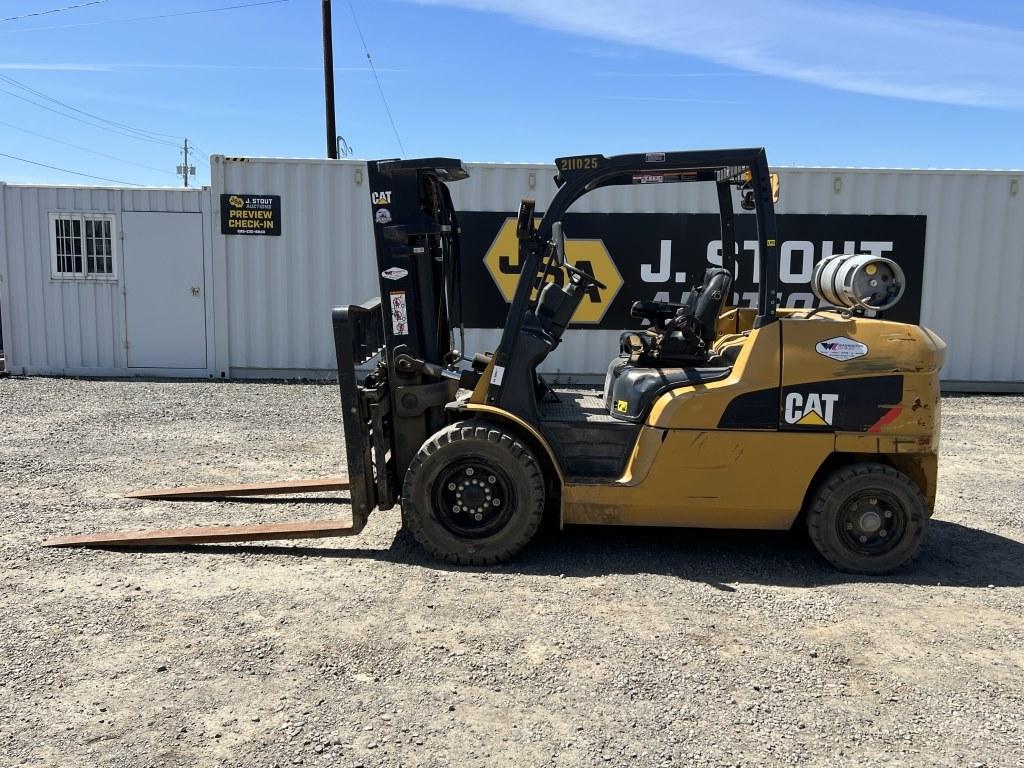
(186, 300)
(89, 323)
(281, 289)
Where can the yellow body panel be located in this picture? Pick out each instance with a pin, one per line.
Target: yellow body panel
(689, 467)
(687, 471)
(714, 479)
(701, 407)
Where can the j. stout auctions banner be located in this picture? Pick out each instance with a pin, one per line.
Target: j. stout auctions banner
(661, 256)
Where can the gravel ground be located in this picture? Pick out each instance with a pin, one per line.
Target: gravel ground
(595, 647)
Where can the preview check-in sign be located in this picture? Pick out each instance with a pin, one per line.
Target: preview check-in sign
(250, 214)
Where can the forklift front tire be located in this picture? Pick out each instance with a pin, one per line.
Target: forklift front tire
(473, 494)
(868, 518)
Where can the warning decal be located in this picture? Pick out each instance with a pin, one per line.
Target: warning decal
(399, 313)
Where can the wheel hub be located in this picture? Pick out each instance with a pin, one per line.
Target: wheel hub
(473, 499)
(872, 523)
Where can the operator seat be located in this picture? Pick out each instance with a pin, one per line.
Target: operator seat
(682, 339)
(674, 352)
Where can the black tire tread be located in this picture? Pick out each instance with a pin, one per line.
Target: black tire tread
(817, 522)
(474, 429)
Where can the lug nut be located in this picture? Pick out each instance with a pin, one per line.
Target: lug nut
(496, 502)
(451, 486)
(882, 533)
(492, 479)
(455, 509)
(469, 471)
(478, 516)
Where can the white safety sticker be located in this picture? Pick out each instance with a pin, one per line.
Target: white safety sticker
(394, 273)
(841, 348)
(399, 313)
(497, 375)
(382, 216)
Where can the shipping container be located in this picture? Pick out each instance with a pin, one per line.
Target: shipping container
(90, 275)
(256, 288)
(968, 272)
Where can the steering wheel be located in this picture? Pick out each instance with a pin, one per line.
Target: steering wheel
(584, 276)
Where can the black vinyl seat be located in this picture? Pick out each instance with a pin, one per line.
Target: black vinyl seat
(674, 352)
(680, 334)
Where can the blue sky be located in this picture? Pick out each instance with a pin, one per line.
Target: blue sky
(903, 83)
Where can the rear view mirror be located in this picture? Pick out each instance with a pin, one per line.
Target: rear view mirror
(558, 238)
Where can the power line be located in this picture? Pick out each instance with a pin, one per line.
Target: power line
(86, 149)
(65, 170)
(87, 122)
(40, 94)
(53, 10)
(375, 77)
(199, 150)
(147, 18)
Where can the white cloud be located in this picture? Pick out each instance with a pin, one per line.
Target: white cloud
(46, 67)
(848, 46)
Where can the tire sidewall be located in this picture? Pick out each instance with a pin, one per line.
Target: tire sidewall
(471, 441)
(858, 481)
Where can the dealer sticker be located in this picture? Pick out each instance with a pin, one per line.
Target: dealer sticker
(841, 348)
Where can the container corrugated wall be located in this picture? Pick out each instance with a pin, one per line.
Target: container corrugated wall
(280, 290)
(67, 326)
(974, 253)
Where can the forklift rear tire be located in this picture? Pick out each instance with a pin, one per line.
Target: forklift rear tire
(473, 494)
(868, 518)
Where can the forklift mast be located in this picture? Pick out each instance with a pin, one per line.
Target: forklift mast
(410, 327)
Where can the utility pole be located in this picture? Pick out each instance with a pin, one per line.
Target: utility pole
(332, 131)
(185, 170)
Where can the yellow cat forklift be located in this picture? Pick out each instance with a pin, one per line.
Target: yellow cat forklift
(711, 415)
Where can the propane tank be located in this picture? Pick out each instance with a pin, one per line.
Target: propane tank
(858, 282)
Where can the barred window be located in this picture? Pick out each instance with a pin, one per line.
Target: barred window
(82, 245)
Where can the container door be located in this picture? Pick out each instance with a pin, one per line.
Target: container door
(165, 300)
